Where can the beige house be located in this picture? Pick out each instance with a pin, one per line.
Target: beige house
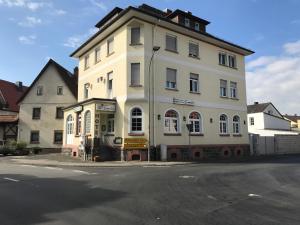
(192, 78)
(294, 121)
(41, 114)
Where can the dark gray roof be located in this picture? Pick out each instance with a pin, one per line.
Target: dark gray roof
(257, 108)
(293, 118)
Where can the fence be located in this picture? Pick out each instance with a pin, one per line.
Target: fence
(277, 144)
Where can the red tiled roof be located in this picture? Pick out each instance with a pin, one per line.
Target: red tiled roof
(8, 118)
(11, 94)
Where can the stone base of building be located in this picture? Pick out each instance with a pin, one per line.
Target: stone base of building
(202, 152)
(136, 155)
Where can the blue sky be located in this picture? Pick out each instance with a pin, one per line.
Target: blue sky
(34, 30)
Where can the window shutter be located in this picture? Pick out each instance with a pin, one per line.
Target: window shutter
(135, 35)
(194, 49)
(194, 76)
(171, 75)
(171, 43)
(135, 73)
(223, 83)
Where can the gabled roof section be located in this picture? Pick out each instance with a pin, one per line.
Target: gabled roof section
(293, 118)
(187, 14)
(69, 79)
(260, 107)
(10, 94)
(106, 18)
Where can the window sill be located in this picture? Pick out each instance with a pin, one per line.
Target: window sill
(135, 44)
(110, 54)
(197, 135)
(136, 134)
(194, 57)
(236, 99)
(86, 68)
(36, 118)
(171, 89)
(224, 97)
(77, 135)
(194, 92)
(57, 143)
(172, 134)
(237, 135)
(170, 50)
(235, 68)
(59, 118)
(224, 135)
(97, 61)
(135, 85)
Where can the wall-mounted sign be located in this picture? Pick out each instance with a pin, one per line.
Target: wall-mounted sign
(78, 108)
(107, 108)
(135, 143)
(182, 101)
(118, 140)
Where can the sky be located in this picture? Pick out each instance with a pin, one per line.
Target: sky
(32, 31)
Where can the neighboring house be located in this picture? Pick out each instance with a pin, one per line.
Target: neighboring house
(294, 121)
(9, 109)
(41, 114)
(264, 119)
(199, 79)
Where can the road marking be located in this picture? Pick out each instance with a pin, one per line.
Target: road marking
(80, 171)
(28, 166)
(155, 166)
(10, 179)
(53, 168)
(211, 197)
(186, 177)
(254, 195)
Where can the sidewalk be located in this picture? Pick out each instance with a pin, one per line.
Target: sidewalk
(60, 160)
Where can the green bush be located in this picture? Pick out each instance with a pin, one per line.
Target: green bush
(36, 150)
(21, 145)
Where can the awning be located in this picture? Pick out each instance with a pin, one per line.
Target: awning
(9, 118)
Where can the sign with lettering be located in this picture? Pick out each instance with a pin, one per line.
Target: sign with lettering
(182, 101)
(135, 143)
(107, 108)
(78, 108)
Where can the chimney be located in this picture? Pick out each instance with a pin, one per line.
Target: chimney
(168, 11)
(19, 85)
(255, 103)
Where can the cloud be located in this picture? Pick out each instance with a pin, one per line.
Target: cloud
(27, 40)
(76, 40)
(276, 79)
(31, 5)
(30, 21)
(59, 12)
(99, 4)
(296, 21)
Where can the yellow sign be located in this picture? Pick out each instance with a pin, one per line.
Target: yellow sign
(135, 143)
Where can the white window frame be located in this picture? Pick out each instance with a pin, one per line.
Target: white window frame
(192, 121)
(223, 124)
(136, 117)
(132, 41)
(39, 90)
(110, 124)
(97, 54)
(251, 122)
(110, 50)
(230, 64)
(86, 90)
(197, 26)
(221, 54)
(138, 78)
(236, 125)
(87, 62)
(167, 130)
(223, 90)
(190, 53)
(194, 81)
(187, 22)
(170, 84)
(89, 130)
(60, 92)
(110, 81)
(233, 90)
(176, 43)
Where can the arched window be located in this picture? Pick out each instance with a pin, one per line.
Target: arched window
(236, 124)
(223, 124)
(171, 122)
(87, 122)
(195, 121)
(136, 120)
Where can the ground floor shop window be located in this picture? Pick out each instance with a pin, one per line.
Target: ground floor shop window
(58, 136)
(171, 122)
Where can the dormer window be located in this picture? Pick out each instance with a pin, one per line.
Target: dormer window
(197, 26)
(187, 22)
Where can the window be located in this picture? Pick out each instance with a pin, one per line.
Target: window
(59, 113)
(36, 113)
(110, 46)
(34, 137)
(195, 121)
(39, 90)
(222, 58)
(252, 121)
(135, 35)
(194, 50)
(233, 89)
(60, 90)
(58, 137)
(78, 123)
(232, 61)
(87, 122)
(86, 62)
(110, 123)
(270, 112)
(197, 27)
(236, 124)
(223, 124)
(194, 83)
(187, 22)
(171, 43)
(171, 122)
(223, 88)
(97, 54)
(171, 78)
(136, 120)
(135, 74)
(110, 81)
(86, 90)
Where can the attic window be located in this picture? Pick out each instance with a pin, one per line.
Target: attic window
(39, 90)
(197, 26)
(187, 22)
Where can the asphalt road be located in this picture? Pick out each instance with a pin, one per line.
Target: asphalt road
(262, 193)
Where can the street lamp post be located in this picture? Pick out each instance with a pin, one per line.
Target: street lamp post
(154, 49)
